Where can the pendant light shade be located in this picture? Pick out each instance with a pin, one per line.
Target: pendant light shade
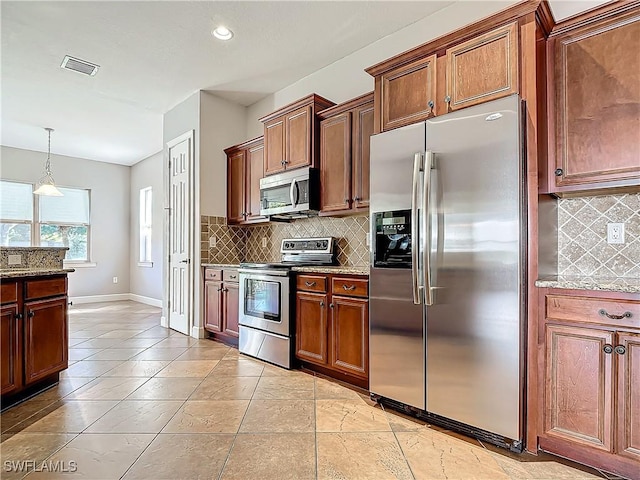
(46, 184)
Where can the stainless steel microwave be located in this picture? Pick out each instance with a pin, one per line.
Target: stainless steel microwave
(291, 194)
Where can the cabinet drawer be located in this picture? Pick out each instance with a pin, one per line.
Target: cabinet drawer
(48, 287)
(356, 287)
(9, 292)
(212, 274)
(230, 275)
(625, 313)
(312, 283)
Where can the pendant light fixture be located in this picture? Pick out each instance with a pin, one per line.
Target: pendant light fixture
(46, 184)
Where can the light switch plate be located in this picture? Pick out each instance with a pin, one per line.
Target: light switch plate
(15, 259)
(615, 233)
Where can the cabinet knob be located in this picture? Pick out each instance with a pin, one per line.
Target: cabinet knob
(331, 305)
(321, 304)
(431, 104)
(19, 316)
(620, 349)
(604, 313)
(357, 199)
(282, 162)
(447, 99)
(559, 172)
(607, 348)
(225, 290)
(31, 314)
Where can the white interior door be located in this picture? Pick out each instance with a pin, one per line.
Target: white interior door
(180, 213)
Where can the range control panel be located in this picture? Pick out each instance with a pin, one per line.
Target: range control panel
(307, 245)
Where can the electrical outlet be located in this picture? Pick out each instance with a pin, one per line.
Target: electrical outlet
(212, 241)
(264, 242)
(615, 232)
(368, 240)
(15, 259)
(115, 279)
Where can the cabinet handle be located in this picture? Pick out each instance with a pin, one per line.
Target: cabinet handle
(607, 348)
(19, 316)
(225, 290)
(447, 99)
(232, 276)
(357, 199)
(331, 305)
(282, 162)
(31, 314)
(620, 349)
(346, 200)
(321, 304)
(220, 289)
(310, 284)
(431, 104)
(348, 288)
(604, 313)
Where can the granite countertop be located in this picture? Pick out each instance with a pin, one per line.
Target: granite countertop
(619, 284)
(219, 265)
(362, 270)
(33, 272)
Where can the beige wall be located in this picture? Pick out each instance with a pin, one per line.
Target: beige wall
(110, 205)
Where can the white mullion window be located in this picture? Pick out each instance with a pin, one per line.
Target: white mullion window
(16, 214)
(146, 224)
(65, 222)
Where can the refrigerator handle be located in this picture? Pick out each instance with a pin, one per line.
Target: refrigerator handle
(426, 217)
(415, 244)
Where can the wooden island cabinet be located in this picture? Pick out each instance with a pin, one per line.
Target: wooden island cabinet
(591, 378)
(332, 325)
(34, 332)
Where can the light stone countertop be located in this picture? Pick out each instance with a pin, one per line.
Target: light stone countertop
(362, 270)
(33, 272)
(618, 284)
(219, 265)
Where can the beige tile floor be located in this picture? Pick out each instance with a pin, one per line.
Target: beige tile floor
(142, 402)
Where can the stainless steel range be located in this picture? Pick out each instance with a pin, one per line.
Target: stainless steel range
(267, 300)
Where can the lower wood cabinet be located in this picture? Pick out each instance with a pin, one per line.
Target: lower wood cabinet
(332, 325)
(34, 331)
(221, 297)
(592, 381)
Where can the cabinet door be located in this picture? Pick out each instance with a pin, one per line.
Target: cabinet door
(409, 93)
(628, 431)
(335, 163)
(298, 137)
(349, 338)
(579, 393)
(362, 130)
(10, 349)
(236, 187)
(45, 338)
(274, 146)
(311, 327)
(483, 68)
(597, 73)
(213, 306)
(231, 305)
(255, 171)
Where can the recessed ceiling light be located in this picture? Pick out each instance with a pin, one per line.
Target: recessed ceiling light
(223, 33)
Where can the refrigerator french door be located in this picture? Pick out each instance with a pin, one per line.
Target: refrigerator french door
(447, 309)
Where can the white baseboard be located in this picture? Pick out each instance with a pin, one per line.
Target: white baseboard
(164, 322)
(197, 332)
(154, 302)
(116, 297)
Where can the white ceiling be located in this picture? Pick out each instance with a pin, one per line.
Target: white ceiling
(154, 54)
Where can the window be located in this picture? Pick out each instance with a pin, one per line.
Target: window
(39, 220)
(16, 214)
(145, 225)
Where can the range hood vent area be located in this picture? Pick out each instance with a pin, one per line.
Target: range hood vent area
(80, 66)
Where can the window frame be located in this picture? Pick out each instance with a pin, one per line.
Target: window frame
(145, 254)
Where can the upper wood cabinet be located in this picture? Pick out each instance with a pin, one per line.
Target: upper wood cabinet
(244, 171)
(471, 66)
(483, 68)
(344, 156)
(595, 95)
(290, 135)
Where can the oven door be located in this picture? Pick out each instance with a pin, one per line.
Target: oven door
(264, 301)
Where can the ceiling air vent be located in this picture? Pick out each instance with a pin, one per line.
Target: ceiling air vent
(80, 66)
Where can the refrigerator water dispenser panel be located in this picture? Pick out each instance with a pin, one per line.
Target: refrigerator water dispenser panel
(393, 239)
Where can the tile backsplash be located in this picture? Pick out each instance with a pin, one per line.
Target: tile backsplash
(582, 236)
(236, 244)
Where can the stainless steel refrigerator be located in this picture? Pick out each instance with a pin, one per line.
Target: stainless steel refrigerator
(447, 282)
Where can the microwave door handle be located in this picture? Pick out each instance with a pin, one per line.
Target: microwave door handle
(293, 192)
(415, 244)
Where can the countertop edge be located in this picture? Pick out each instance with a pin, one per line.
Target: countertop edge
(35, 272)
(219, 265)
(333, 269)
(591, 284)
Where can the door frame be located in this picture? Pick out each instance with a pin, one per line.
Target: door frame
(195, 232)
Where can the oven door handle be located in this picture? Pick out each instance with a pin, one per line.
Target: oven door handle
(293, 192)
